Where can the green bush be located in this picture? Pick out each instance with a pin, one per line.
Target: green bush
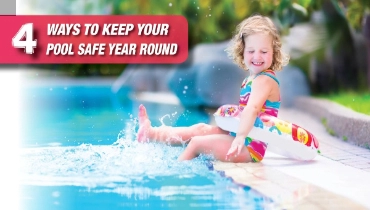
(215, 20)
(208, 20)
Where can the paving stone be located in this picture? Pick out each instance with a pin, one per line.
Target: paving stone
(367, 156)
(355, 159)
(360, 165)
(307, 205)
(338, 157)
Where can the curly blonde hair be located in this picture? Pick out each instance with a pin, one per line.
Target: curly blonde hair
(252, 25)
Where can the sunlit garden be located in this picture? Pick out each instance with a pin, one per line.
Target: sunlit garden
(335, 58)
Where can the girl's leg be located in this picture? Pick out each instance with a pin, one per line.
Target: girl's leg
(217, 145)
(172, 135)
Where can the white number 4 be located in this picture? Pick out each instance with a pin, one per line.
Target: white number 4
(29, 43)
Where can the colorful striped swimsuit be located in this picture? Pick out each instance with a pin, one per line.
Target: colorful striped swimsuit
(255, 147)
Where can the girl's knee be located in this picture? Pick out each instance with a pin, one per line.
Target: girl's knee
(194, 142)
(193, 147)
(206, 129)
(200, 126)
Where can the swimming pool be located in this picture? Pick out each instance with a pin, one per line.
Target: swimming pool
(78, 152)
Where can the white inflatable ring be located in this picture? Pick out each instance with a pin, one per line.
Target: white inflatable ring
(282, 137)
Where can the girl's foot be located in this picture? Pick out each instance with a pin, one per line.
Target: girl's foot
(143, 133)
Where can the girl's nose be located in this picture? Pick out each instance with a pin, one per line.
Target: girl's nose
(257, 56)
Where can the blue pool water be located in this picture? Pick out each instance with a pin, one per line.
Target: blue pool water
(79, 152)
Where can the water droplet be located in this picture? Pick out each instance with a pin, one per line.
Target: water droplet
(184, 92)
(186, 87)
(162, 119)
(197, 7)
(170, 4)
(51, 89)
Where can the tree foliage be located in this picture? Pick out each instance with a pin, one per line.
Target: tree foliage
(208, 20)
(353, 10)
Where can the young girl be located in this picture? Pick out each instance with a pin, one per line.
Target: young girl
(256, 47)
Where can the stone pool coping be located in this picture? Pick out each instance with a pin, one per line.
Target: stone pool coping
(340, 121)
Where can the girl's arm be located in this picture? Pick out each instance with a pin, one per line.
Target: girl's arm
(261, 89)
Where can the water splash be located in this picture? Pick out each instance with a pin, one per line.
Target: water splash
(135, 171)
(169, 116)
(94, 165)
(125, 161)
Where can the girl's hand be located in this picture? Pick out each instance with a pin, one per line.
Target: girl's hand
(236, 147)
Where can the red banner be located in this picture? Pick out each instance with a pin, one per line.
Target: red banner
(36, 39)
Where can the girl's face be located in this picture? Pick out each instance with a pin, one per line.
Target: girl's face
(258, 52)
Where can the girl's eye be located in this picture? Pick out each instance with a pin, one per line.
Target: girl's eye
(264, 52)
(250, 52)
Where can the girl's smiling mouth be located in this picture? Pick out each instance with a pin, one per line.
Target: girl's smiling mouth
(257, 63)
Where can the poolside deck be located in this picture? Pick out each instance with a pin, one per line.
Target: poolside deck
(336, 179)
